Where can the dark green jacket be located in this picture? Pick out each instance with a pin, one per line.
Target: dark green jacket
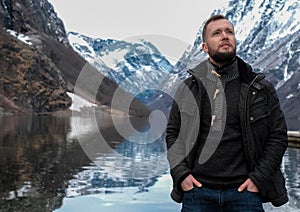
(264, 131)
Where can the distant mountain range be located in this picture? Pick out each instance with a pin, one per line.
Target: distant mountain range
(268, 33)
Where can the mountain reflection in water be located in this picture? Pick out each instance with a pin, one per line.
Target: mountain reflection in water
(50, 163)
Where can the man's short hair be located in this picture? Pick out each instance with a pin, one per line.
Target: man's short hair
(212, 18)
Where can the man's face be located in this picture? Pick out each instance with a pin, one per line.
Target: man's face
(220, 42)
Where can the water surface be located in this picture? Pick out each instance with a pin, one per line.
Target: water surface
(86, 164)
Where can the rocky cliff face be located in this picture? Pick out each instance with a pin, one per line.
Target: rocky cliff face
(31, 17)
(38, 66)
(29, 81)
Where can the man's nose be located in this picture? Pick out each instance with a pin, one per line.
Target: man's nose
(224, 35)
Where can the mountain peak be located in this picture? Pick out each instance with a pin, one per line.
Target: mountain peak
(132, 65)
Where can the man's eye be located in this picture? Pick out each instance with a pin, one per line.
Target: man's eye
(216, 33)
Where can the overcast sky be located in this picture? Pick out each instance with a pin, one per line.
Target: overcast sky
(171, 19)
(119, 19)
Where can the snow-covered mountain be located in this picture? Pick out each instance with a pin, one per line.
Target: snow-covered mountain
(135, 66)
(267, 32)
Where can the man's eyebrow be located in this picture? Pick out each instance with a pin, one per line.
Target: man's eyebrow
(220, 29)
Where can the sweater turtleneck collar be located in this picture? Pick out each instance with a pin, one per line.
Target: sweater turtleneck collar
(226, 72)
(221, 69)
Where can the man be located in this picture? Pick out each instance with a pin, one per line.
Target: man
(226, 133)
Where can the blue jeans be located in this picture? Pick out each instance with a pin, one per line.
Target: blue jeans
(220, 200)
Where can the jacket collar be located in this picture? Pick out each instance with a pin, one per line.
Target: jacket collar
(246, 73)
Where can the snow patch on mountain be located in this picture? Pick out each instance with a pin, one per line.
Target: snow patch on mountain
(78, 102)
(20, 36)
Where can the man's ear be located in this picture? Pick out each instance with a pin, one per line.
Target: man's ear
(204, 47)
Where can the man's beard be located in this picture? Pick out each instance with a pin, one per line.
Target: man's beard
(223, 57)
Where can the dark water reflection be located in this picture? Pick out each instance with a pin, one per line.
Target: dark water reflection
(54, 163)
(36, 162)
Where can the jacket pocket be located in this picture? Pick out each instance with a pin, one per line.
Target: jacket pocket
(258, 110)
